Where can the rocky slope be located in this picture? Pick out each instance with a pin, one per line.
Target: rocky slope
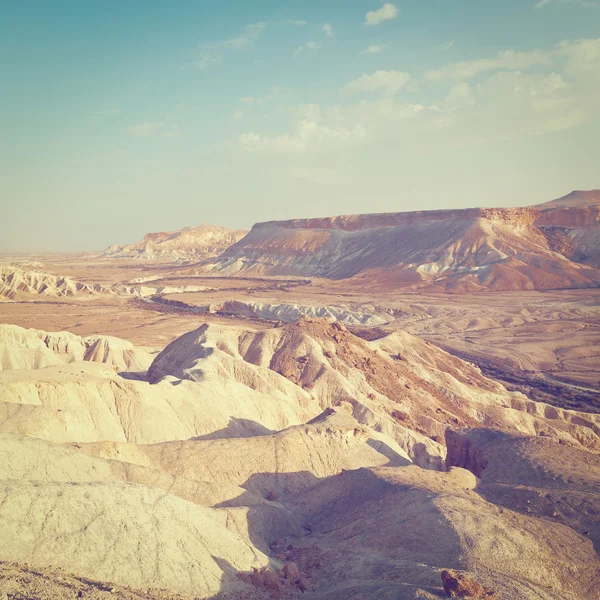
(234, 398)
(297, 461)
(542, 476)
(189, 244)
(409, 522)
(545, 247)
(288, 313)
(23, 283)
(17, 282)
(34, 349)
(572, 226)
(221, 381)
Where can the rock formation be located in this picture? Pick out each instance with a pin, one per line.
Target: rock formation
(34, 349)
(16, 282)
(189, 244)
(548, 246)
(270, 463)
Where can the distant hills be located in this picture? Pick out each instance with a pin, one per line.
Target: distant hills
(552, 245)
(191, 243)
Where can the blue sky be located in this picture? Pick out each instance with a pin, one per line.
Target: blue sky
(120, 118)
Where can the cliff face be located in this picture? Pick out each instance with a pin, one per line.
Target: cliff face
(572, 226)
(570, 217)
(541, 247)
(517, 217)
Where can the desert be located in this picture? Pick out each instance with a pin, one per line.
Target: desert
(171, 428)
(300, 300)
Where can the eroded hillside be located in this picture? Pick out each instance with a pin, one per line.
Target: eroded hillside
(189, 244)
(247, 463)
(549, 246)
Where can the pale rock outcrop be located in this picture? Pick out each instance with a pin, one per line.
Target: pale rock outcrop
(184, 245)
(16, 282)
(293, 312)
(35, 349)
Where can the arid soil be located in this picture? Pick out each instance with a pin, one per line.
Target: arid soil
(552, 337)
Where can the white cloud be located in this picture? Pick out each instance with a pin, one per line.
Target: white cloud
(250, 34)
(516, 104)
(212, 54)
(298, 22)
(259, 100)
(504, 106)
(580, 55)
(319, 134)
(509, 60)
(253, 104)
(207, 60)
(312, 46)
(389, 82)
(372, 50)
(586, 3)
(172, 132)
(528, 93)
(247, 139)
(150, 128)
(146, 129)
(328, 29)
(446, 47)
(461, 95)
(556, 93)
(100, 115)
(583, 57)
(385, 13)
(313, 130)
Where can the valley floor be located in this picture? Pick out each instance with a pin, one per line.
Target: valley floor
(545, 342)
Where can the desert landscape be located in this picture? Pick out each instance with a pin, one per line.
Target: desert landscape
(325, 408)
(300, 300)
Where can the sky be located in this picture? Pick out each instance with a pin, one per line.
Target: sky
(118, 118)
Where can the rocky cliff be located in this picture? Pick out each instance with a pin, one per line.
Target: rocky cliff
(575, 221)
(549, 246)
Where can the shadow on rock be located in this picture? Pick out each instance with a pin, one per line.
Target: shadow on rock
(355, 534)
(133, 375)
(236, 428)
(395, 459)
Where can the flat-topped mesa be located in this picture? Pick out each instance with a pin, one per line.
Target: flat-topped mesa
(549, 246)
(517, 217)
